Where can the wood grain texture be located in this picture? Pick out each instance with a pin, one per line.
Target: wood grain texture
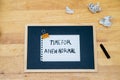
(15, 14)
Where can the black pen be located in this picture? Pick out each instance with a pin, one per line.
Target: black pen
(105, 51)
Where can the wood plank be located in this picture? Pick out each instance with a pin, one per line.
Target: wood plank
(13, 38)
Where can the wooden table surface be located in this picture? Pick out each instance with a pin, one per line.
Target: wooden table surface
(15, 14)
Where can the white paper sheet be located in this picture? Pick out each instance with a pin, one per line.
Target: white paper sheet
(57, 48)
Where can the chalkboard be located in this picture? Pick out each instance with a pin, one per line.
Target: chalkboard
(60, 48)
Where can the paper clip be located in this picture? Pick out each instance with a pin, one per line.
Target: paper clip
(44, 34)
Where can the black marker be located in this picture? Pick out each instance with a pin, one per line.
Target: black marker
(105, 51)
